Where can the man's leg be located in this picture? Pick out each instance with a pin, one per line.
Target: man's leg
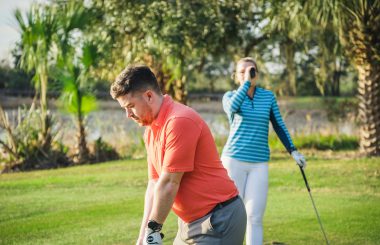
(230, 222)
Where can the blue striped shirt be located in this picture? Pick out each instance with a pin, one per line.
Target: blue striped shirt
(249, 124)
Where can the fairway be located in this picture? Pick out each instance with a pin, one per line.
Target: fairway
(103, 203)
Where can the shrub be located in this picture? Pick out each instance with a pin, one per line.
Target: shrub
(318, 142)
(25, 147)
(102, 151)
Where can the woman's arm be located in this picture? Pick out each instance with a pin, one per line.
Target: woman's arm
(233, 101)
(280, 127)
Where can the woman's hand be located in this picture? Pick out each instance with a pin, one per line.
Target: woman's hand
(247, 76)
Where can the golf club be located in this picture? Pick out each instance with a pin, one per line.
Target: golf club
(312, 200)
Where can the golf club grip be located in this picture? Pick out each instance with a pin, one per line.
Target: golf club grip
(304, 178)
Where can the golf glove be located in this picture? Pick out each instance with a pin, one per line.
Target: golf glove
(299, 158)
(152, 237)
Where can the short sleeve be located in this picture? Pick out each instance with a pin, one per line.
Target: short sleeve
(181, 140)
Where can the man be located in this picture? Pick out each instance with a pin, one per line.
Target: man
(185, 172)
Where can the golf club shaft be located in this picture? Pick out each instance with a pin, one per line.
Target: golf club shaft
(312, 201)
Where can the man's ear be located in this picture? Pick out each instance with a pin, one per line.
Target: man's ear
(149, 95)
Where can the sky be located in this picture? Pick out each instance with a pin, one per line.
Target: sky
(9, 33)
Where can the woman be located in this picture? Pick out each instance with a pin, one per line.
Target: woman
(246, 153)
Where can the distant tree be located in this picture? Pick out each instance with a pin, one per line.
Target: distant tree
(173, 37)
(38, 33)
(357, 23)
(76, 98)
(77, 57)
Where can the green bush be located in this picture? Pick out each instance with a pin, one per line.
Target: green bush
(28, 149)
(318, 142)
(102, 151)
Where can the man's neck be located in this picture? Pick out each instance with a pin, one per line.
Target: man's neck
(157, 110)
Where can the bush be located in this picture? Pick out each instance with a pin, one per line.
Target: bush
(318, 142)
(25, 148)
(101, 151)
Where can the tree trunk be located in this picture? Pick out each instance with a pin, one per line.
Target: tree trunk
(369, 109)
(362, 41)
(335, 86)
(180, 92)
(45, 117)
(82, 154)
(289, 52)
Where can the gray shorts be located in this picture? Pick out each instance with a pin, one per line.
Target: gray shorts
(223, 226)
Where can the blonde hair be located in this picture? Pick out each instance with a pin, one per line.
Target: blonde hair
(250, 60)
(245, 59)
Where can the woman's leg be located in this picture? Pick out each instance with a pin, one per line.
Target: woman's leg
(255, 202)
(236, 171)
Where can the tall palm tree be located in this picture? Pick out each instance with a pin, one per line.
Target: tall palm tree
(75, 98)
(74, 69)
(358, 25)
(38, 32)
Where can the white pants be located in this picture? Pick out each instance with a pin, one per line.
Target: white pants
(251, 180)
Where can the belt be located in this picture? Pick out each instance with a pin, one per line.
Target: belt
(223, 204)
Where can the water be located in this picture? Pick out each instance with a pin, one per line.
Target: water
(114, 128)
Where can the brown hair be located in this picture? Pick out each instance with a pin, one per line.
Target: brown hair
(133, 79)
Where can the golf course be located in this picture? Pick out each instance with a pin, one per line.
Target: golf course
(103, 203)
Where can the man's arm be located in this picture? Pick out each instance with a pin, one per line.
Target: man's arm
(165, 191)
(149, 194)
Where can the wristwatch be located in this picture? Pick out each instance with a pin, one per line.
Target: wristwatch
(152, 224)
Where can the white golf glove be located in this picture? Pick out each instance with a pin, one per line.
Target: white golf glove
(152, 237)
(299, 158)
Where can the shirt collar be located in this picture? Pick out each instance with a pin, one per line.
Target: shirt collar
(160, 119)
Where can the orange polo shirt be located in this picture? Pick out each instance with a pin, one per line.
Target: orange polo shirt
(180, 141)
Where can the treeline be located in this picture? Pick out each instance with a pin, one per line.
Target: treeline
(302, 47)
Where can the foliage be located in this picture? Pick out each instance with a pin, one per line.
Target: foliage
(318, 142)
(340, 110)
(14, 79)
(24, 145)
(174, 38)
(73, 70)
(102, 151)
(356, 23)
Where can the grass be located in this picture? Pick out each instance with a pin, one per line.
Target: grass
(103, 203)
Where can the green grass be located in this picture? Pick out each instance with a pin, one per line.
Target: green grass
(103, 203)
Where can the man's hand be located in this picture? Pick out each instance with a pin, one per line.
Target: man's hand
(152, 237)
(299, 158)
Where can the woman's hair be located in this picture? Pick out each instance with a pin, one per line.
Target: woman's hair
(248, 60)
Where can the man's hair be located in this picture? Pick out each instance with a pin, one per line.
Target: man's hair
(134, 79)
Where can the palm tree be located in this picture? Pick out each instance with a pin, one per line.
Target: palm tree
(75, 99)
(74, 70)
(357, 23)
(38, 32)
